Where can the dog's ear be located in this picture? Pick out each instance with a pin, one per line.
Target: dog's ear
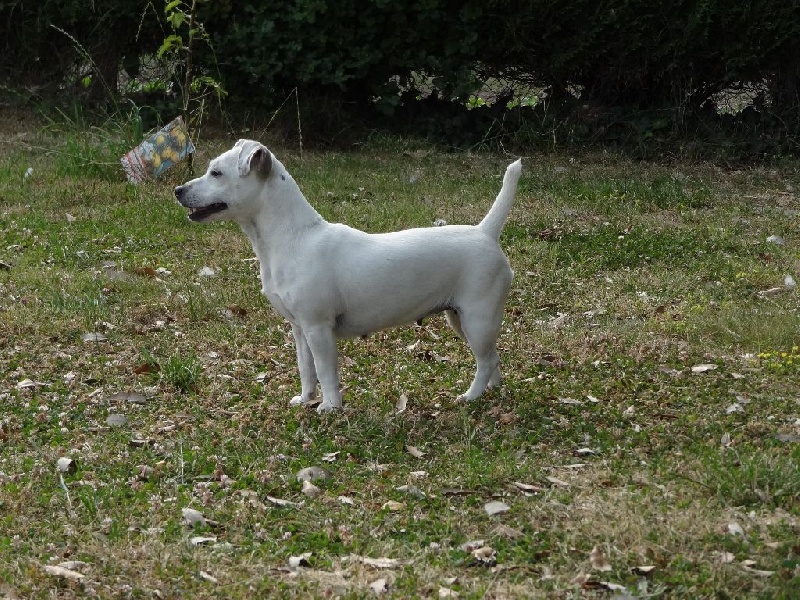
(253, 157)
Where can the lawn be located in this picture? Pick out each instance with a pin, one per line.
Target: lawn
(645, 441)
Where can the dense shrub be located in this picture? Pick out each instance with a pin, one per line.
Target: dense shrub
(364, 49)
(606, 69)
(71, 47)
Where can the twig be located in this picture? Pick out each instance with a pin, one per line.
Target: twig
(695, 481)
(275, 114)
(299, 129)
(66, 491)
(187, 82)
(180, 454)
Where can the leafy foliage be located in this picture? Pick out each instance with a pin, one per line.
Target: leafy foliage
(618, 70)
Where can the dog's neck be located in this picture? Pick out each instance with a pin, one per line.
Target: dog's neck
(282, 218)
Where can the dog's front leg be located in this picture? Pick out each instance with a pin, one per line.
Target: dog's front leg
(322, 343)
(305, 363)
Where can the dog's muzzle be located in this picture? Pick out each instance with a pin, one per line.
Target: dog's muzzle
(198, 213)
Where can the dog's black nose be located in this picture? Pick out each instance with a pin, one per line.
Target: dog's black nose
(179, 191)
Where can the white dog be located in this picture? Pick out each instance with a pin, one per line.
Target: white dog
(331, 281)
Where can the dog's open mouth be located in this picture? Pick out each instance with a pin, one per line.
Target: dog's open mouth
(199, 214)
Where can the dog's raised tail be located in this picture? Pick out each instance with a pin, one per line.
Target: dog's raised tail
(494, 220)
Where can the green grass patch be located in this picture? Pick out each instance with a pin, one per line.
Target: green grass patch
(649, 406)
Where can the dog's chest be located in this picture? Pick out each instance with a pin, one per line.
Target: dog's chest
(271, 291)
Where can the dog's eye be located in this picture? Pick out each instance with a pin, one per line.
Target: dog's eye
(216, 173)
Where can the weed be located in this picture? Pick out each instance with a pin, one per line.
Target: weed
(748, 477)
(182, 371)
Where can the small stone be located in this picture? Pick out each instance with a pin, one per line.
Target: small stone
(310, 490)
(66, 465)
(93, 337)
(116, 420)
(313, 474)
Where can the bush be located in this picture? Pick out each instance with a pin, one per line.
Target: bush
(611, 70)
(362, 50)
(71, 48)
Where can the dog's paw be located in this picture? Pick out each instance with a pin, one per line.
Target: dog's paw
(297, 401)
(326, 407)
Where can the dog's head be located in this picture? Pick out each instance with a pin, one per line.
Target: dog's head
(233, 182)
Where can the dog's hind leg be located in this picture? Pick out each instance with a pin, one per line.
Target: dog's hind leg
(322, 343)
(487, 372)
(305, 363)
(480, 329)
(455, 322)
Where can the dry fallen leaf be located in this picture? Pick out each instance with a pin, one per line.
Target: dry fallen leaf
(73, 565)
(485, 555)
(208, 577)
(237, 310)
(145, 272)
(415, 452)
(379, 586)
(59, 571)
(394, 506)
(735, 529)
(704, 368)
(558, 482)
(616, 587)
(643, 569)
(300, 561)
(192, 517)
(281, 502)
(66, 465)
(310, 490)
(200, 540)
(496, 507)
(504, 531)
(749, 566)
(313, 474)
(331, 456)
(598, 560)
(400, 406)
(412, 490)
(380, 563)
(143, 368)
(130, 397)
(570, 401)
(770, 293)
(93, 337)
(472, 545)
(116, 420)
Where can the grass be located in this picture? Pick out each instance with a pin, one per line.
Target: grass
(628, 274)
